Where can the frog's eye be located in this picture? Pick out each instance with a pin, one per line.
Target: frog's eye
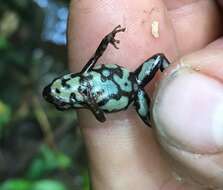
(57, 91)
(84, 92)
(73, 98)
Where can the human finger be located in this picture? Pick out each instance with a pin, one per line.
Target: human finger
(122, 153)
(188, 116)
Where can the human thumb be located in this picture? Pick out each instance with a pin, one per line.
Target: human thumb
(188, 115)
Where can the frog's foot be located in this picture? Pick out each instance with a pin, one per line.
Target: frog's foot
(98, 113)
(111, 36)
(142, 104)
(146, 72)
(118, 29)
(164, 62)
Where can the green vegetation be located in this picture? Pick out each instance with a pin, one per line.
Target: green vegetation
(40, 147)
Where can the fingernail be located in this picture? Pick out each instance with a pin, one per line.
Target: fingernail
(188, 111)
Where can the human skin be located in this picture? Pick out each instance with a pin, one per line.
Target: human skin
(183, 150)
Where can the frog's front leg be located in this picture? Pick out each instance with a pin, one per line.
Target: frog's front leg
(145, 72)
(142, 104)
(98, 113)
(109, 38)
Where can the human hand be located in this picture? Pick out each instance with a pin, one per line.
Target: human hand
(187, 109)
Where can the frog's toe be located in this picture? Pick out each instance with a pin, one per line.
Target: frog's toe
(99, 114)
(118, 29)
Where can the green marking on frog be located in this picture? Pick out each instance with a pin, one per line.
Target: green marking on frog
(106, 88)
(143, 107)
(123, 81)
(112, 105)
(111, 66)
(106, 72)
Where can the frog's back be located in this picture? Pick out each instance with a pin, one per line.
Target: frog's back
(112, 86)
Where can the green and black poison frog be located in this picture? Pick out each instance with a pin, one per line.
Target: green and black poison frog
(106, 88)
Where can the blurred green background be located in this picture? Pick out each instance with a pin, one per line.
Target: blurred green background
(40, 147)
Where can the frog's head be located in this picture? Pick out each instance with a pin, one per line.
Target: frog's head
(64, 92)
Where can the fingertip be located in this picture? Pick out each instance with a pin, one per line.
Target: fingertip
(187, 114)
(186, 111)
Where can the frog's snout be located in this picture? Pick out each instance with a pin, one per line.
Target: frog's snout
(46, 93)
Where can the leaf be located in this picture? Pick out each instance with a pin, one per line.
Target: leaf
(36, 169)
(5, 115)
(86, 181)
(3, 43)
(63, 161)
(16, 184)
(47, 161)
(22, 184)
(48, 185)
(55, 159)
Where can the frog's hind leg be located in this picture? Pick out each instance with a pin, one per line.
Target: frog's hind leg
(109, 38)
(148, 69)
(142, 104)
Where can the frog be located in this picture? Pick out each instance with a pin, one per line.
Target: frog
(106, 88)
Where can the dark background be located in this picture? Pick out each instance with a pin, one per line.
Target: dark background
(40, 147)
